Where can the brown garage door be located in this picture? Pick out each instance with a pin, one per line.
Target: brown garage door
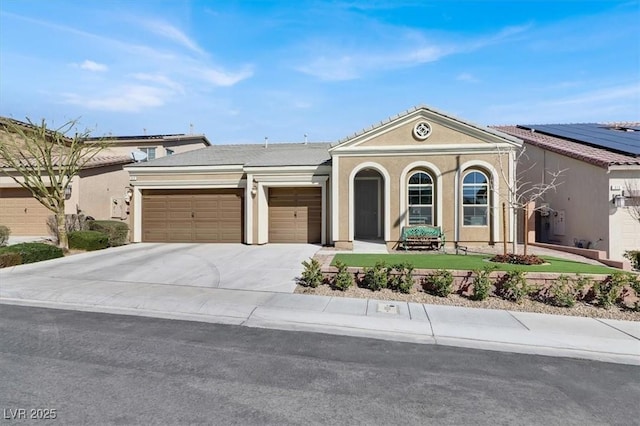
(295, 215)
(199, 216)
(22, 213)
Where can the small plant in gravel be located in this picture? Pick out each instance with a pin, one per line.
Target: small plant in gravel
(439, 283)
(515, 286)
(482, 283)
(608, 292)
(343, 279)
(402, 279)
(312, 274)
(376, 278)
(634, 258)
(563, 292)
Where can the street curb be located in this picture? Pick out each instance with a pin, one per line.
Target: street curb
(273, 318)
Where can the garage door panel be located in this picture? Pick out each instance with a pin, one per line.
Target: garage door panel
(22, 213)
(295, 215)
(193, 216)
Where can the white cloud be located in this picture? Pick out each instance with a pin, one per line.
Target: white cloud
(160, 79)
(465, 76)
(129, 98)
(93, 66)
(172, 33)
(224, 78)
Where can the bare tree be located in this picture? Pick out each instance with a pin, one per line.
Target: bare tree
(632, 203)
(45, 161)
(521, 193)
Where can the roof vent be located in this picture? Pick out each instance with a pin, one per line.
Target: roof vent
(266, 141)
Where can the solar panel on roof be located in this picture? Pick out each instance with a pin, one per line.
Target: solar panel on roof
(595, 135)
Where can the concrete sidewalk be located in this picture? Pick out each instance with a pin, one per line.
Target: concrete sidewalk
(576, 337)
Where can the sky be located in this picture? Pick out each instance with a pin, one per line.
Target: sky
(240, 71)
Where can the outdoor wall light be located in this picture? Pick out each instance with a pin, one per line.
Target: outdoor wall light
(254, 188)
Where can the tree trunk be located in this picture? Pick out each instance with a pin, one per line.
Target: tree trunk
(63, 240)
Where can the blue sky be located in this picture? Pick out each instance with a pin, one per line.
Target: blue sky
(238, 71)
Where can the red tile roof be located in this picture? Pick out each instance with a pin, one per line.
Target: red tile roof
(597, 156)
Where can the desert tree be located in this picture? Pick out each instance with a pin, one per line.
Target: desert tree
(521, 190)
(632, 203)
(45, 161)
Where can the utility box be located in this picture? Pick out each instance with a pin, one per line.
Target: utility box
(118, 208)
(558, 222)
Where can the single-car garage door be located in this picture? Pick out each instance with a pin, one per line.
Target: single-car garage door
(199, 216)
(22, 213)
(295, 215)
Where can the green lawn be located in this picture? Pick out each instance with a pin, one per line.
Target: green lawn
(468, 262)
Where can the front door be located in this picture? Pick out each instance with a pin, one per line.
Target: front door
(367, 205)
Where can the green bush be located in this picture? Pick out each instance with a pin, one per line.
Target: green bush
(34, 252)
(515, 286)
(482, 283)
(117, 232)
(608, 292)
(376, 278)
(402, 280)
(634, 257)
(563, 292)
(440, 283)
(312, 274)
(88, 240)
(4, 235)
(343, 279)
(10, 259)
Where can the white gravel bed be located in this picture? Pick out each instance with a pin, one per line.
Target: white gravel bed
(493, 302)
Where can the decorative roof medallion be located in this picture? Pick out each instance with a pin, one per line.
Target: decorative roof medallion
(422, 130)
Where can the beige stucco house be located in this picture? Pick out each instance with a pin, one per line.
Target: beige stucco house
(420, 167)
(101, 190)
(600, 184)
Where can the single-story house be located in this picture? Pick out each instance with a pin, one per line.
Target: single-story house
(101, 189)
(419, 167)
(599, 191)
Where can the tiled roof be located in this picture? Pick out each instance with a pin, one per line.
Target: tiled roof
(251, 155)
(108, 160)
(590, 154)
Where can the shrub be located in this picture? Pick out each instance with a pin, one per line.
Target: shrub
(4, 235)
(376, 278)
(563, 292)
(88, 240)
(10, 259)
(402, 280)
(117, 232)
(608, 292)
(634, 257)
(482, 283)
(72, 222)
(515, 286)
(518, 259)
(311, 275)
(343, 279)
(439, 283)
(34, 252)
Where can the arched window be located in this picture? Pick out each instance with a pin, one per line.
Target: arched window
(475, 199)
(420, 199)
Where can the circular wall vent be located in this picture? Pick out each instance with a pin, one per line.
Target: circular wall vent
(422, 130)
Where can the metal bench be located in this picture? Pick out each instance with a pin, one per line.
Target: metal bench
(422, 236)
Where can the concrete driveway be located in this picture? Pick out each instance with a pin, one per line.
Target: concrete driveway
(272, 267)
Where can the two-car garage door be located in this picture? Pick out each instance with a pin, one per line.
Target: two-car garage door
(199, 215)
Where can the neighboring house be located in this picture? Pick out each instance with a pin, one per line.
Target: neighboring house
(600, 181)
(420, 167)
(101, 189)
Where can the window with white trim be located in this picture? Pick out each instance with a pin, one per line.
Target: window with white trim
(475, 199)
(151, 153)
(420, 193)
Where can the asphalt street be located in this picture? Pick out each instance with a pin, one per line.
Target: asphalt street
(110, 369)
